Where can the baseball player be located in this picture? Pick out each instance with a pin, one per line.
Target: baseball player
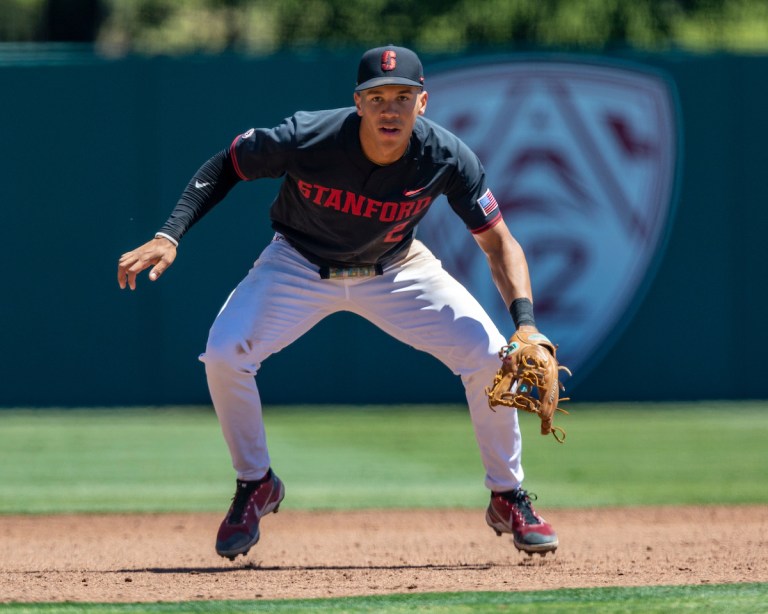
(356, 182)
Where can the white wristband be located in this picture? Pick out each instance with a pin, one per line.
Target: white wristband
(162, 235)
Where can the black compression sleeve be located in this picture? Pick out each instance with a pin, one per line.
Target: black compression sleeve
(209, 185)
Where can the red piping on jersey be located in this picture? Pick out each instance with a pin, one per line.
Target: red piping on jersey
(234, 159)
(487, 226)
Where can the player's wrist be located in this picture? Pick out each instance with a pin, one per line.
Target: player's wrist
(162, 235)
(521, 310)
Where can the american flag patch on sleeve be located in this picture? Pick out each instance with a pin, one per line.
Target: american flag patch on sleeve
(488, 202)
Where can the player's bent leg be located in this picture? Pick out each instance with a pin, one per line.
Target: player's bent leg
(279, 300)
(428, 309)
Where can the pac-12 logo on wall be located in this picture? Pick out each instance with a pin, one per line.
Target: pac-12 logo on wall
(582, 159)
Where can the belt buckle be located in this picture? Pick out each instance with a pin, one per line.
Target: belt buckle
(357, 271)
(350, 272)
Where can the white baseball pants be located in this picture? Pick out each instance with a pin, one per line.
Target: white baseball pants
(415, 300)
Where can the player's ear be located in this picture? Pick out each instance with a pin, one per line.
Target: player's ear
(423, 102)
(358, 99)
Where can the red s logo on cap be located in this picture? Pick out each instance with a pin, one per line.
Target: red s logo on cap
(388, 60)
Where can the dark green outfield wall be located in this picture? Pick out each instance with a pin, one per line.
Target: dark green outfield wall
(94, 154)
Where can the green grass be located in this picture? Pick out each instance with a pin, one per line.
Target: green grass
(730, 598)
(403, 456)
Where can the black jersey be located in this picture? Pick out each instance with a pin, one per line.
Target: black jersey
(340, 209)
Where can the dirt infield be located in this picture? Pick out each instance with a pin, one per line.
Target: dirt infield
(128, 558)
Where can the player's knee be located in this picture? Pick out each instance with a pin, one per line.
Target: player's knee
(481, 361)
(223, 353)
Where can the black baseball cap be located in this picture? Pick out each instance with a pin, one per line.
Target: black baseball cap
(389, 65)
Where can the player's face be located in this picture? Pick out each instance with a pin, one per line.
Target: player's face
(388, 115)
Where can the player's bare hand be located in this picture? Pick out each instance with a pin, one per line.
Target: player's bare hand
(159, 253)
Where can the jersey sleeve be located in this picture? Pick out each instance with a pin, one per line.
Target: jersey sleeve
(468, 194)
(264, 152)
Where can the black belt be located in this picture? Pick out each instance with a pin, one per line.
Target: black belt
(331, 272)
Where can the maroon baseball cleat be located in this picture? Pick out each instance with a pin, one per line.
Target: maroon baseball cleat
(253, 500)
(512, 512)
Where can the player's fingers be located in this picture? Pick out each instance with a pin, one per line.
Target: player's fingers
(130, 265)
(131, 277)
(126, 260)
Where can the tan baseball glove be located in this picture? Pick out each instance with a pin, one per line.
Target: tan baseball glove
(529, 379)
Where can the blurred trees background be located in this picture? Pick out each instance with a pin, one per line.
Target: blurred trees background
(169, 27)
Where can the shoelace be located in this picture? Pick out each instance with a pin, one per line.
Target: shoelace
(240, 500)
(242, 495)
(522, 500)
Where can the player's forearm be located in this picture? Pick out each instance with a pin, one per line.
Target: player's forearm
(510, 274)
(209, 185)
(507, 262)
